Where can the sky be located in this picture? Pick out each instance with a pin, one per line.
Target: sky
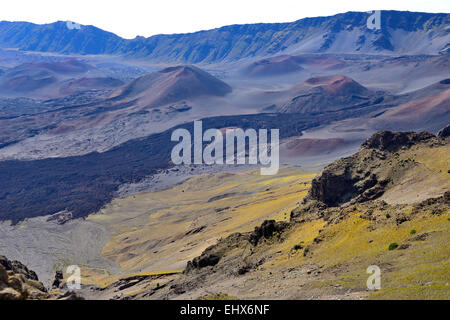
(131, 18)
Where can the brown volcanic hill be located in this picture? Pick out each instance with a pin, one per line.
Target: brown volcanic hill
(171, 85)
(273, 66)
(39, 77)
(69, 66)
(328, 93)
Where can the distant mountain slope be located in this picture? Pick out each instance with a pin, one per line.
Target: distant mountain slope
(273, 66)
(285, 64)
(57, 37)
(53, 79)
(401, 33)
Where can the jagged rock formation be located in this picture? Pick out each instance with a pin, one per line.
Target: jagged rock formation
(444, 132)
(213, 254)
(61, 217)
(266, 230)
(366, 174)
(393, 141)
(19, 283)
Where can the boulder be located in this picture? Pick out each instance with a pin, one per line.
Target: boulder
(266, 230)
(10, 294)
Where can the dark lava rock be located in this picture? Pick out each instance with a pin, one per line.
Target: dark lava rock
(57, 280)
(444, 132)
(404, 246)
(393, 141)
(213, 254)
(266, 230)
(17, 282)
(420, 237)
(365, 175)
(18, 267)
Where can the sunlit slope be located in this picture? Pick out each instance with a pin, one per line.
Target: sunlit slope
(163, 230)
(331, 260)
(325, 250)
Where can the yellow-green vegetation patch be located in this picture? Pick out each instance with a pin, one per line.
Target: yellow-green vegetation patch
(165, 229)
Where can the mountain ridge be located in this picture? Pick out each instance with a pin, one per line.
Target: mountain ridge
(234, 42)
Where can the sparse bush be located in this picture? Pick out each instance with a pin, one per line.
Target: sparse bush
(393, 246)
(413, 231)
(388, 215)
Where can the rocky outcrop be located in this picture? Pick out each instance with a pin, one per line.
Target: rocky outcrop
(17, 282)
(57, 280)
(386, 161)
(366, 174)
(267, 230)
(393, 141)
(18, 267)
(444, 132)
(213, 254)
(61, 217)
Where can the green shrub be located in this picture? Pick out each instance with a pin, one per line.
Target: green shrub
(393, 246)
(388, 215)
(413, 231)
